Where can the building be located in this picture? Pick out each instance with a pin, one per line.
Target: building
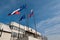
(15, 31)
(5, 32)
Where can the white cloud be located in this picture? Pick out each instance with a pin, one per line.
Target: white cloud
(51, 27)
(49, 22)
(52, 7)
(53, 30)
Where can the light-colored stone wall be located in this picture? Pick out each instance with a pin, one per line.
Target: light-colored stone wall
(5, 36)
(32, 38)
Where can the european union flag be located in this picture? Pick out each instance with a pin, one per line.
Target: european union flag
(22, 7)
(23, 17)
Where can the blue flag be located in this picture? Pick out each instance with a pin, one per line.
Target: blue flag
(23, 17)
(28, 16)
(22, 7)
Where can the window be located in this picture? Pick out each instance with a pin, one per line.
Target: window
(11, 26)
(14, 34)
(15, 28)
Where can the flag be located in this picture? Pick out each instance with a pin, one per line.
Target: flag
(18, 10)
(31, 14)
(22, 7)
(14, 12)
(23, 17)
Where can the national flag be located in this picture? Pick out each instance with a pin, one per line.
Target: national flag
(23, 17)
(14, 12)
(31, 14)
(18, 10)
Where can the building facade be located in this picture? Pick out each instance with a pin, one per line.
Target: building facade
(15, 31)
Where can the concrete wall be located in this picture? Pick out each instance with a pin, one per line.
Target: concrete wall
(6, 33)
(5, 36)
(32, 38)
(24, 38)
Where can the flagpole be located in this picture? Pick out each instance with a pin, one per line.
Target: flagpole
(27, 20)
(19, 28)
(11, 29)
(19, 20)
(35, 24)
(27, 24)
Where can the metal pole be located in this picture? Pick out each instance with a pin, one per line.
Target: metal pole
(35, 25)
(19, 30)
(27, 21)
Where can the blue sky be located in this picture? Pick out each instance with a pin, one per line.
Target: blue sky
(47, 15)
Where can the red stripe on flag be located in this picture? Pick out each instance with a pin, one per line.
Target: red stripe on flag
(29, 15)
(17, 12)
